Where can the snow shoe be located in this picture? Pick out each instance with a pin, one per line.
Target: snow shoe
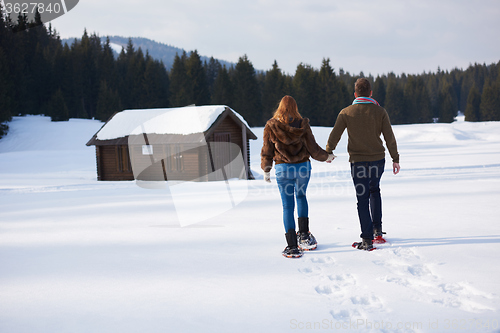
(292, 250)
(379, 240)
(366, 244)
(306, 241)
(378, 235)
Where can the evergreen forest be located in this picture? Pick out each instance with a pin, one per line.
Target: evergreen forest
(40, 75)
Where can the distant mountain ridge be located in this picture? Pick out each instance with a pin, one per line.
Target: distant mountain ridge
(158, 51)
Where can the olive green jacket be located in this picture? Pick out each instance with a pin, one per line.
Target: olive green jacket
(364, 123)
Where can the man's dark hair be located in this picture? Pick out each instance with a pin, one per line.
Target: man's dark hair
(362, 87)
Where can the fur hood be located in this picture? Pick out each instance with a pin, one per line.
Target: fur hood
(283, 143)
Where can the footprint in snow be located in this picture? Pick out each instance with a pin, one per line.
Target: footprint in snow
(323, 260)
(341, 288)
(463, 296)
(407, 270)
(315, 265)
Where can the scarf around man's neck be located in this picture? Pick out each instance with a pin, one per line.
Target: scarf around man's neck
(365, 100)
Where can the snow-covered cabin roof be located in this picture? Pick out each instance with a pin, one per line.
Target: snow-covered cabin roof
(170, 121)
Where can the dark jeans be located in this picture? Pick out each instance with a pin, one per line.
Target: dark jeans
(366, 177)
(292, 182)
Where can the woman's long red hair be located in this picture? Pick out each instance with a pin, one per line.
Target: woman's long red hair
(287, 110)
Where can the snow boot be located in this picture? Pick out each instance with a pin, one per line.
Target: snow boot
(306, 240)
(303, 224)
(366, 244)
(292, 250)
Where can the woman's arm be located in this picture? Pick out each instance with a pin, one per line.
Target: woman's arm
(267, 151)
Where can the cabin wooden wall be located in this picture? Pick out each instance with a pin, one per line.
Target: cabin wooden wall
(228, 125)
(113, 162)
(169, 162)
(109, 166)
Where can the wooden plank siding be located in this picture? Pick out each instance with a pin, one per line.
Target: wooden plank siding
(108, 164)
(179, 162)
(249, 175)
(227, 131)
(228, 125)
(175, 157)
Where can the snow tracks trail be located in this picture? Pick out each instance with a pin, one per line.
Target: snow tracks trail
(366, 290)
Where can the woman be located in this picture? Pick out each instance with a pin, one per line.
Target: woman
(289, 142)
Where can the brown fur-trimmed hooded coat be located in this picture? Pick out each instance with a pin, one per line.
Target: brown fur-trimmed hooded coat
(288, 144)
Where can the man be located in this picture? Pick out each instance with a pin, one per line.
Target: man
(365, 120)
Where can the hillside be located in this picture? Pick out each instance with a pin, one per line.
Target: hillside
(158, 51)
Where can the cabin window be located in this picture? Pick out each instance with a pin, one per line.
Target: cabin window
(123, 159)
(147, 150)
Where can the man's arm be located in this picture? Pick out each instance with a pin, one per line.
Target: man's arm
(390, 139)
(336, 133)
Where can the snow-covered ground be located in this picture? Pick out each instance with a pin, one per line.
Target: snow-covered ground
(78, 255)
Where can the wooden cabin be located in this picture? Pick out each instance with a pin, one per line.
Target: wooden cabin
(194, 143)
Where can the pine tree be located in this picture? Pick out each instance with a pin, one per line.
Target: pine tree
(63, 69)
(82, 69)
(22, 23)
(416, 101)
(379, 91)
(107, 68)
(199, 93)
(328, 100)
(394, 102)
(447, 104)
(130, 50)
(57, 108)
(432, 85)
(273, 90)
(473, 110)
(490, 102)
(410, 100)
(135, 80)
(6, 91)
(6, 81)
(179, 85)
(344, 98)
(223, 88)
(156, 85)
(305, 90)
(247, 94)
(4, 29)
(423, 103)
(212, 69)
(108, 102)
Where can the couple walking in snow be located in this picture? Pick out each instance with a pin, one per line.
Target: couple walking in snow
(289, 143)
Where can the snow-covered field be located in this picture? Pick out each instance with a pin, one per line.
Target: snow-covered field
(78, 255)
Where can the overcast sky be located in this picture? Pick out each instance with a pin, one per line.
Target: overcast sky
(372, 36)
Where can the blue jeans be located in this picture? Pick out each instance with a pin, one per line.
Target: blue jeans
(292, 182)
(366, 177)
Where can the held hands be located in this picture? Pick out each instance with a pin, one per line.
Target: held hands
(330, 158)
(267, 177)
